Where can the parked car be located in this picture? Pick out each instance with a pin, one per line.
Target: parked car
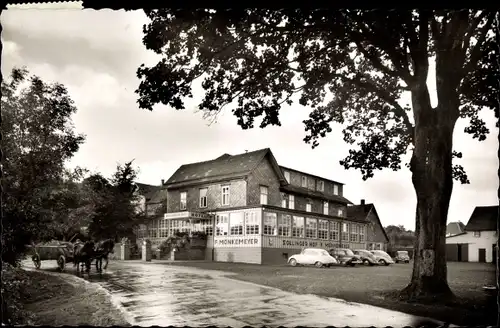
(366, 257)
(345, 256)
(382, 257)
(402, 256)
(312, 256)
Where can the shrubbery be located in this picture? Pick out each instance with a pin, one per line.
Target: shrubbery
(13, 292)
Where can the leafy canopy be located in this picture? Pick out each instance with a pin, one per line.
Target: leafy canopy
(38, 137)
(255, 60)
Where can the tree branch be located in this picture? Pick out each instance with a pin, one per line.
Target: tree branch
(470, 31)
(476, 51)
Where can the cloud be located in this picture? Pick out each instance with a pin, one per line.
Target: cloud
(95, 54)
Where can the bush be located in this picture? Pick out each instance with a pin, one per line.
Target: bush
(13, 292)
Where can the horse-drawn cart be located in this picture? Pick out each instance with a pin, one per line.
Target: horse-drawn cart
(60, 251)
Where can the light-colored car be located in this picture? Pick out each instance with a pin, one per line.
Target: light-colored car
(366, 257)
(382, 257)
(312, 256)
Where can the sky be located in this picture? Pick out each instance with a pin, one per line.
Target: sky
(95, 54)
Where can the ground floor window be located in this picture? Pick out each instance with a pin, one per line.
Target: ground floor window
(311, 228)
(252, 223)
(298, 227)
(354, 233)
(334, 230)
(323, 229)
(221, 225)
(162, 228)
(362, 230)
(236, 223)
(284, 225)
(153, 229)
(269, 225)
(345, 231)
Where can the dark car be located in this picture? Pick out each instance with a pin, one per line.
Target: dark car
(345, 256)
(366, 257)
(402, 256)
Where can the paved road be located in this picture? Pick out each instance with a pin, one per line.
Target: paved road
(158, 294)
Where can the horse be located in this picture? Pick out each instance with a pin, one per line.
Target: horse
(101, 251)
(83, 253)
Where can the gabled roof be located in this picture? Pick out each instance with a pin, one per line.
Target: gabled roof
(144, 189)
(483, 218)
(224, 167)
(156, 196)
(361, 212)
(454, 228)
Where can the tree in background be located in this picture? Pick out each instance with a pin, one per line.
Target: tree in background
(113, 203)
(256, 60)
(38, 137)
(399, 236)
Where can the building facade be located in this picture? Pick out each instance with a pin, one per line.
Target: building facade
(376, 237)
(255, 211)
(479, 240)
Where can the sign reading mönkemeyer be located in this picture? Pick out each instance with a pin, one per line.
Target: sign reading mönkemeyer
(233, 241)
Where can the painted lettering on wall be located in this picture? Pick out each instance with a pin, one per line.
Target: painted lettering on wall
(237, 242)
(308, 243)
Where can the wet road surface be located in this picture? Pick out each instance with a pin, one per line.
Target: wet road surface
(158, 294)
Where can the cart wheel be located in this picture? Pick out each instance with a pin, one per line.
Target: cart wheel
(36, 261)
(61, 262)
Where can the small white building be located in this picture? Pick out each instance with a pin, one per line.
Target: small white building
(479, 241)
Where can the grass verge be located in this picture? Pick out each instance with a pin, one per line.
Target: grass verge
(36, 298)
(377, 286)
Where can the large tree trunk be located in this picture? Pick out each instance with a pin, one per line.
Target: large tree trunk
(431, 167)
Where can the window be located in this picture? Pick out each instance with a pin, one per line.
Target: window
(335, 189)
(252, 223)
(320, 186)
(323, 229)
(304, 181)
(334, 230)
(291, 202)
(162, 228)
(283, 200)
(263, 195)
(225, 195)
(345, 232)
(362, 233)
(209, 229)
(183, 200)
(311, 228)
(153, 229)
(325, 208)
(284, 225)
(354, 233)
(203, 197)
(477, 233)
(221, 225)
(236, 224)
(287, 176)
(308, 207)
(298, 227)
(340, 212)
(270, 224)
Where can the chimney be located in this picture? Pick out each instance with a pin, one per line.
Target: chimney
(362, 202)
(162, 182)
(246, 151)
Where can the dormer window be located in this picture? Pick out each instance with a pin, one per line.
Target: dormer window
(320, 185)
(304, 181)
(287, 176)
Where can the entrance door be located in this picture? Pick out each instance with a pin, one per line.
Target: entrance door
(459, 252)
(482, 255)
